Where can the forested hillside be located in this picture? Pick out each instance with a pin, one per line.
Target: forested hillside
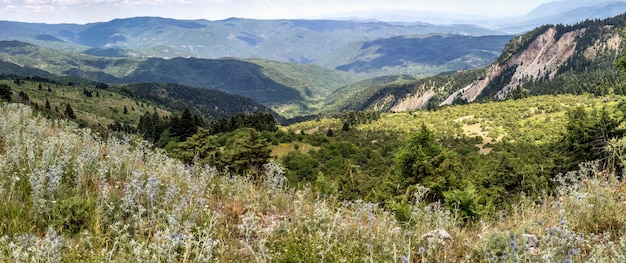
(552, 59)
(288, 88)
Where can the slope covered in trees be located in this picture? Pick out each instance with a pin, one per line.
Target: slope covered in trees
(552, 59)
(288, 88)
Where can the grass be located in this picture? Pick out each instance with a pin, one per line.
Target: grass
(105, 109)
(285, 148)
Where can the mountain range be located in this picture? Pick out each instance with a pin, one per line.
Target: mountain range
(300, 41)
(325, 65)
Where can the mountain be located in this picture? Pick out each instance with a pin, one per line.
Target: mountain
(553, 12)
(300, 41)
(555, 8)
(567, 12)
(283, 40)
(551, 59)
(423, 55)
(289, 87)
(209, 103)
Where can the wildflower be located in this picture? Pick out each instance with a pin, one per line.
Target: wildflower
(567, 260)
(504, 257)
(571, 252)
(563, 222)
(369, 247)
(421, 250)
(404, 259)
(516, 249)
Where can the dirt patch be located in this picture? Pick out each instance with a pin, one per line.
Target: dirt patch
(476, 129)
(285, 148)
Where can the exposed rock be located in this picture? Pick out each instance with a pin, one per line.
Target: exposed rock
(543, 56)
(531, 240)
(416, 101)
(440, 236)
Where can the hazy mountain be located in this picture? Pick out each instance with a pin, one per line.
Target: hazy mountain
(420, 55)
(554, 12)
(567, 12)
(283, 40)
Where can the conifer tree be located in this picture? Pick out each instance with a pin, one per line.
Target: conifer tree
(5, 92)
(69, 112)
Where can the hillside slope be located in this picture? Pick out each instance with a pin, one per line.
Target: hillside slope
(422, 55)
(548, 60)
(277, 85)
(98, 105)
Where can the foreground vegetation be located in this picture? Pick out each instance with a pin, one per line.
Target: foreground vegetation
(72, 197)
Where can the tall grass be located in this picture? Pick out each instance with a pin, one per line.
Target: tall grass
(70, 197)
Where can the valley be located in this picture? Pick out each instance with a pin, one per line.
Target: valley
(286, 140)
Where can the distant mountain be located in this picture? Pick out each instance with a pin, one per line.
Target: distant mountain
(424, 55)
(554, 12)
(300, 41)
(550, 59)
(567, 12)
(558, 7)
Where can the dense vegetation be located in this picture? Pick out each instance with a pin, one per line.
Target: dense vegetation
(71, 197)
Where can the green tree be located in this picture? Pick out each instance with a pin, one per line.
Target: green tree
(589, 132)
(183, 127)
(5, 92)
(200, 147)
(69, 112)
(300, 167)
(246, 150)
(422, 160)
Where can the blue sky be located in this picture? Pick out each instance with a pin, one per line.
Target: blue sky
(85, 11)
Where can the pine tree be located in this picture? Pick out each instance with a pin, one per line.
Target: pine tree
(5, 92)
(69, 112)
(247, 151)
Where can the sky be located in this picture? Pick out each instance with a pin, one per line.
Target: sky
(87, 11)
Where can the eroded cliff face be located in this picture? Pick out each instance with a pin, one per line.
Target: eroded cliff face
(539, 59)
(411, 102)
(543, 56)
